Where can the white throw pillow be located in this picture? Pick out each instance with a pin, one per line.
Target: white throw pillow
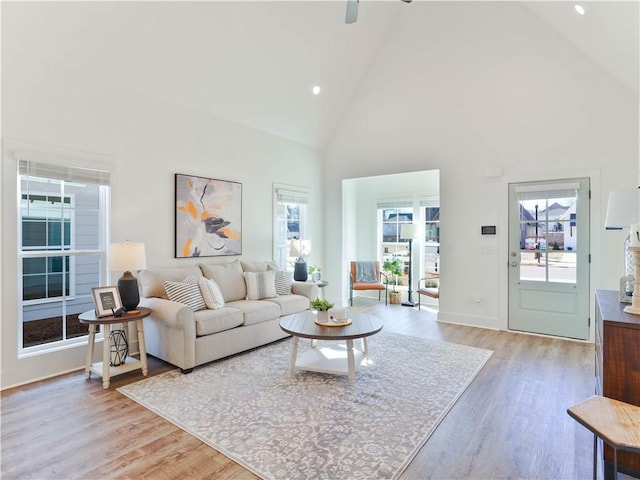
(283, 283)
(187, 293)
(260, 285)
(211, 293)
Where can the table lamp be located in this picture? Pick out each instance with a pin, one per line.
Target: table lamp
(408, 232)
(300, 248)
(623, 212)
(124, 257)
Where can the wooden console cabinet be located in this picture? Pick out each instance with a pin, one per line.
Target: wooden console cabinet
(617, 365)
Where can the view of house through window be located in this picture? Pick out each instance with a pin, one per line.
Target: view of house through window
(61, 249)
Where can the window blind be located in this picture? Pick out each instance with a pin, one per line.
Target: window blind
(33, 168)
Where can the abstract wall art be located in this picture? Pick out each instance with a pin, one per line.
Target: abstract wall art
(208, 215)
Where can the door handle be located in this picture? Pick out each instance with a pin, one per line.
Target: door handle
(514, 264)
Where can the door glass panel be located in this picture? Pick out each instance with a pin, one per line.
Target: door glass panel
(548, 234)
(562, 267)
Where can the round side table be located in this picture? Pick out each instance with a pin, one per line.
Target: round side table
(104, 369)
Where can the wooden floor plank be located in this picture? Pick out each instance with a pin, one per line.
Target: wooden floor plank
(510, 423)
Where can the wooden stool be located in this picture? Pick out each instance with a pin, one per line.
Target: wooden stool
(617, 423)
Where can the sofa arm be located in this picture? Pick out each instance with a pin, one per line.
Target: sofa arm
(308, 289)
(170, 332)
(172, 314)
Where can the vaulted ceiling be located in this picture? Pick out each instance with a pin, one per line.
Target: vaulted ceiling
(255, 63)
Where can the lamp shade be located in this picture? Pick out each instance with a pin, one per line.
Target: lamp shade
(127, 256)
(124, 257)
(408, 231)
(300, 248)
(623, 209)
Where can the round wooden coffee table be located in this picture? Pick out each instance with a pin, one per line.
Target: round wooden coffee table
(329, 360)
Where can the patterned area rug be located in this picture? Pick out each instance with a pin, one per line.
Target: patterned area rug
(318, 426)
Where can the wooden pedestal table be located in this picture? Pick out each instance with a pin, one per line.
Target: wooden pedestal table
(303, 325)
(104, 369)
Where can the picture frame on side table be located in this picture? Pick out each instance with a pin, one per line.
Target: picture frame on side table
(208, 217)
(107, 300)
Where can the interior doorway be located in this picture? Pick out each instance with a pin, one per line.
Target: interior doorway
(374, 212)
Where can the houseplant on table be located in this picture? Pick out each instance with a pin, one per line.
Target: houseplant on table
(321, 306)
(393, 267)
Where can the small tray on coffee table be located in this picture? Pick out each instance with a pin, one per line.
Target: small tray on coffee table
(334, 323)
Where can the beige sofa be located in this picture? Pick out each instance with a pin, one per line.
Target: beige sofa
(186, 338)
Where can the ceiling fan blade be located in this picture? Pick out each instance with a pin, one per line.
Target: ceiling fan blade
(352, 11)
(407, 1)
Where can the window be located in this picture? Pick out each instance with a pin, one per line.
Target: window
(62, 217)
(391, 216)
(291, 210)
(431, 240)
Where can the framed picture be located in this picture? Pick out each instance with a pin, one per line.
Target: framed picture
(208, 217)
(107, 300)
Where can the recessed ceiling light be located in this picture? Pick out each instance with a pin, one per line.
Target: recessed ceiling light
(316, 90)
(579, 9)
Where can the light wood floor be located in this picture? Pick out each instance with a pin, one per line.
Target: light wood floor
(510, 423)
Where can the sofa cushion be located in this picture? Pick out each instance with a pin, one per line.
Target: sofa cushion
(291, 303)
(283, 281)
(258, 266)
(229, 277)
(214, 321)
(256, 311)
(151, 280)
(187, 293)
(260, 285)
(211, 293)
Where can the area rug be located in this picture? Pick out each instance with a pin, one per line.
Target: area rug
(318, 426)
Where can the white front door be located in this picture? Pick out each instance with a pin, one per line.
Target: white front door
(549, 257)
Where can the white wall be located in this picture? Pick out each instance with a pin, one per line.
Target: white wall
(451, 93)
(49, 109)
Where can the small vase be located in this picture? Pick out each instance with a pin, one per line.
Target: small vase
(323, 317)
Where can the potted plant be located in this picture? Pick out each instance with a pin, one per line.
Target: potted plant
(314, 271)
(321, 306)
(393, 267)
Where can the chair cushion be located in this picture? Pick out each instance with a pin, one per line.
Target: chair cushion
(368, 286)
(429, 292)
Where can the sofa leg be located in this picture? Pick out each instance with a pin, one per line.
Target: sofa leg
(186, 370)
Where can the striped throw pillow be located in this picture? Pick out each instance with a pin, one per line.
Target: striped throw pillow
(211, 293)
(187, 293)
(283, 283)
(260, 285)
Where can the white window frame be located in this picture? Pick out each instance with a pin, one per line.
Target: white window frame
(41, 167)
(418, 218)
(283, 195)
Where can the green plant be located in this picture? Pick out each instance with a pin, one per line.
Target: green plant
(313, 269)
(395, 268)
(430, 284)
(321, 305)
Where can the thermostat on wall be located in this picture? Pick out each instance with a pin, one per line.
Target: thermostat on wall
(488, 230)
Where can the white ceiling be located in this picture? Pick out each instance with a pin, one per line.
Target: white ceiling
(254, 63)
